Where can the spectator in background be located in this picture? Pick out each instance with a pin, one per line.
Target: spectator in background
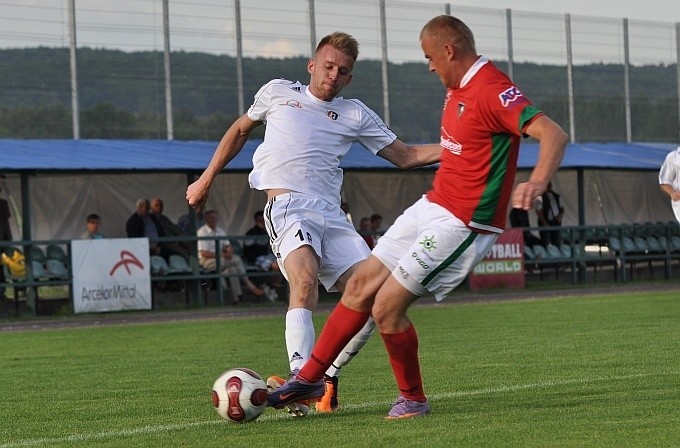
(520, 218)
(669, 179)
(92, 223)
(376, 223)
(258, 252)
(143, 224)
(231, 264)
(344, 206)
(365, 231)
(550, 215)
(5, 229)
(5, 235)
(184, 221)
(169, 228)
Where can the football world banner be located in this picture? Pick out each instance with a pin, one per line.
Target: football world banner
(111, 275)
(504, 265)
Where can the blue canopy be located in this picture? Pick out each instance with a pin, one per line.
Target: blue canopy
(162, 155)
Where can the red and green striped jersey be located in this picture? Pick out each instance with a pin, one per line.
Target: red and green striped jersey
(482, 123)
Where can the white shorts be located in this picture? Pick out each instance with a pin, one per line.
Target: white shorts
(429, 250)
(297, 219)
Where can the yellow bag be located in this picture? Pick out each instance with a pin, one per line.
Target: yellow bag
(16, 263)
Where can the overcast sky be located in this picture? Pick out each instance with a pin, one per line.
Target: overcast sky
(653, 10)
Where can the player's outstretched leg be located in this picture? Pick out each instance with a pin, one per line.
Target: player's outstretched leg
(329, 402)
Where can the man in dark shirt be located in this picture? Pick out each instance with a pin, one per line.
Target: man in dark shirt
(143, 224)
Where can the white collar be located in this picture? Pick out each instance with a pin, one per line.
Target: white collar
(479, 63)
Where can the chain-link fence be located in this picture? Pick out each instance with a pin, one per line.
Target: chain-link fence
(174, 62)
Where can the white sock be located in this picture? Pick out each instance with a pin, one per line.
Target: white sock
(300, 337)
(352, 348)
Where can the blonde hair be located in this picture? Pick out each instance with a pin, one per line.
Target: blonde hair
(449, 29)
(341, 41)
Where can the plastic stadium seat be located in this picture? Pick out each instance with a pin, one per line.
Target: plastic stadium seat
(158, 265)
(540, 252)
(566, 251)
(641, 244)
(629, 245)
(38, 255)
(615, 244)
(178, 265)
(39, 270)
(55, 252)
(654, 245)
(57, 269)
(675, 243)
(554, 252)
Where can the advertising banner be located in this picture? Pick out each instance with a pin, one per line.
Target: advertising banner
(111, 275)
(503, 266)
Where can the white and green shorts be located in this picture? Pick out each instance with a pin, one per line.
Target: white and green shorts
(429, 250)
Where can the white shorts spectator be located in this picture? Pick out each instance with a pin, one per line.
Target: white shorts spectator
(297, 219)
(429, 250)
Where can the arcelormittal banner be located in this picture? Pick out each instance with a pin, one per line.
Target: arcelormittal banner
(111, 275)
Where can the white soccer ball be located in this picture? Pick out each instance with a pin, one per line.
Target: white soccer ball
(239, 395)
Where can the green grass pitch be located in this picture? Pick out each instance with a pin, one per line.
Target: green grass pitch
(587, 371)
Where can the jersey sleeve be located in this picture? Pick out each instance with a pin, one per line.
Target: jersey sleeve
(263, 99)
(510, 111)
(374, 134)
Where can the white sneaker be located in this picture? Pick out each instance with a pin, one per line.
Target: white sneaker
(270, 292)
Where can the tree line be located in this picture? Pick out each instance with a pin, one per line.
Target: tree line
(122, 95)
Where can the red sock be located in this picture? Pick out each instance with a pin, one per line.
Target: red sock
(402, 348)
(339, 329)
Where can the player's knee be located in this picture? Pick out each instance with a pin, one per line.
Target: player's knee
(384, 317)
(305, 286)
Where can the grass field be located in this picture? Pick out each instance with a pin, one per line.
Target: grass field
(596, 371)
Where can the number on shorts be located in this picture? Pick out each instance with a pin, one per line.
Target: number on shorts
(302, 238)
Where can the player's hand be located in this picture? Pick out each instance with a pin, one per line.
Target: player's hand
(526, 193)
(197, 194)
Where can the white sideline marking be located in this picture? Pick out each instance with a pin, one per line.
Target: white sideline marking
(75, 438)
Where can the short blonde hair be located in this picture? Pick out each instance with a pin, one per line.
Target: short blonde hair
(341, 41)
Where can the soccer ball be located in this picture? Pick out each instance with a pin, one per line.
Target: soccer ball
(239, 395)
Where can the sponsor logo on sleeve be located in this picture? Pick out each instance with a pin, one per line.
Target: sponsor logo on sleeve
(510, 96)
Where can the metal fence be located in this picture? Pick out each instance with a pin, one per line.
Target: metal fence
(593, 56)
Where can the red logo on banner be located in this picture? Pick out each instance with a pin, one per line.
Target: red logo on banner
(126, 258)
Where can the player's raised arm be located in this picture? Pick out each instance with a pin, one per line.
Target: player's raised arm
(230, 145)
(411, 156)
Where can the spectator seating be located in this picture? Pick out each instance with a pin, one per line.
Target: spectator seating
(56, 252)
(623, 247)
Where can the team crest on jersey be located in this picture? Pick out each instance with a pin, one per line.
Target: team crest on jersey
(448, 142)
(510, 96)
(294, 103)
(332, 115)
(461, 109)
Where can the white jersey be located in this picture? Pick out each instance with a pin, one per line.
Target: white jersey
(306, 138)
